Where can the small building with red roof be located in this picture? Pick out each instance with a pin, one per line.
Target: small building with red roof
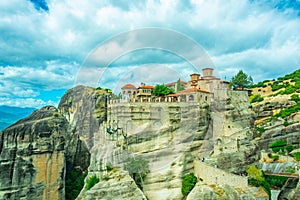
(144, 92)
(128, 92)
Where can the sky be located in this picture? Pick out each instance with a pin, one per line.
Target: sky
(45, 43)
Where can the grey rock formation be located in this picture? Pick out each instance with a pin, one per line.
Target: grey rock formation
(117, 184)
(37, 152)
(32, 161)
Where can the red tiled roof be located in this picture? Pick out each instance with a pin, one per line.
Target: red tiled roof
(173, 83)
(128, 86)
(192, 90)
(188, 91)
(146, 87)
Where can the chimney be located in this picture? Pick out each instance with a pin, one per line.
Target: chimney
(207, 72)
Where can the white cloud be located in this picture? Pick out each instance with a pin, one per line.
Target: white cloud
(44, 50)
(26, 102)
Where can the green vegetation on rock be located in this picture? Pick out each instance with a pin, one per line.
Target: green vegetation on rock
(241, 80)
(295, 97)
(109, 166)
(278, 145)
(282, 147)
(74, 184)
(138, 169)
(259, 84)
(257, 178)
(162, 90)
(276, 181)
(188, 183)
(256, 98)
(287, 111)
(93, 180)
(297, 156)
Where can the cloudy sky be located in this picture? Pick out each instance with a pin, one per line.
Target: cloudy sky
(45, 43)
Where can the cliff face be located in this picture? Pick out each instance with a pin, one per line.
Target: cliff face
(170, 136)
(39, 152)
(32, 161)
(87, 132)
(117, 185)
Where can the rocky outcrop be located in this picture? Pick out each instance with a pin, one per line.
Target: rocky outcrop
(117, 184)
(277, 130)
(219, 192)
(270, 106)
(32, 161)
(40, 151)
(84, 108)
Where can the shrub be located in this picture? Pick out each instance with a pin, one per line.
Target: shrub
(276, 86)
(290, 148)
(188, 183)
(289, 89)
(93, 180)
(278, 145)
(276, 181)
(297, 156)
(295, 97)
(275, 157)
(260, 130)
(256, 98)
(138, 169)
(285, 123)
(287, 111)
(256, 178)
(109, 166)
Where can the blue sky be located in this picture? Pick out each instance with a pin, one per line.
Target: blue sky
(43, 43)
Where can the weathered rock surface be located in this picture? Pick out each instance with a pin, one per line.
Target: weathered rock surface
(37, 152)
(117, 185)
(171, 135)
(214, 192)
(271, 106)
(32, 161)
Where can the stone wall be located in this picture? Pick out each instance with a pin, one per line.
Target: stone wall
(214, 176)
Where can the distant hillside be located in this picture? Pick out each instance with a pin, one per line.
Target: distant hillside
(287, 85)
(278, 98)
(9, 115)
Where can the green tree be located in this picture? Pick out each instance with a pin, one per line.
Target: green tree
(162, 90)
(178, 86)
(255, 173)
(138, 169)
(241, 80)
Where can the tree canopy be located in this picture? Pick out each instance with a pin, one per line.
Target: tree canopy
(179, 86)
(241, 80)
(162, 90)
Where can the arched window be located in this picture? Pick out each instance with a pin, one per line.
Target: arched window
(191, 97)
